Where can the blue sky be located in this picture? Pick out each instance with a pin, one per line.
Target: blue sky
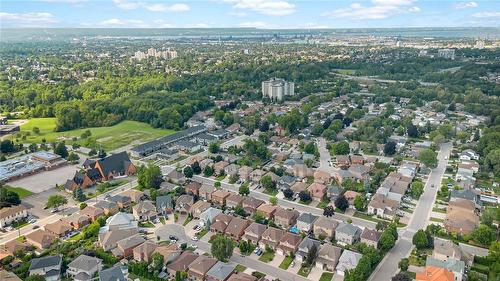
(249, 13)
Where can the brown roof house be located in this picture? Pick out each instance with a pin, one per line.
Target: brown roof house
(328, 257)
(254, 232)
(271, 238)
(325, 228)
(461, 217)
(134, 195)
(234, 200)
(220, 223)
(144, 251)
(219, 167)
(298, 187)
(59, 228)
(302, 171)
(77, 221)
(92, 212)
(176, 177)
(124, 248)
(109, 208)
(244, 173)
(285, 217)
(206, 191)
(199, 267)
(41, 239)
(169, 252)
(289, 244)
(182, 263)
(219, 197)
(370, 237)
(13, 247)
(240, 276)
(317, 191)
(267, 211)
(144, 211)
(251, 204)
(193, 188)
(382, 206)
(183, 203)
(322, 177)
(236, 228)
(198, 208)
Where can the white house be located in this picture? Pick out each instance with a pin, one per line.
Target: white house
(9, 215)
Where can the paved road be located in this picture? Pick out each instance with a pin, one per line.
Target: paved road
(324, 157)
(389, 265)
(6, 237)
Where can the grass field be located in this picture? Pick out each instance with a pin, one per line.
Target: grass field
(20, 191)
(109, 138)
(326, 276)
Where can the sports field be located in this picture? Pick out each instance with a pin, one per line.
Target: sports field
(110, 138)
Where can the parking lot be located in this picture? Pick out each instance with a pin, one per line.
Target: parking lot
(45, 180)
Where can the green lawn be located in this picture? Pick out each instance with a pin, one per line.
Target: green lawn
(267, 257)
(271, 192)
(436, 219)
(322, 204)
(286, 262)
(439, 210)
(20, 191)
(202, 233)
(110, 138)
(147, 224)
(240, 268)
(304, 270)
(326, 276)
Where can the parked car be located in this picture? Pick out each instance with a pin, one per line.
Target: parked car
(195, 238)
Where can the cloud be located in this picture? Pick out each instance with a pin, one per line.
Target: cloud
(465, 5)
(256, 24)
(380, 9)
(162, 24)
(153, 7)
(34, 19)
(238, 14)
(115, 22)
(486, 15)
(266, 7)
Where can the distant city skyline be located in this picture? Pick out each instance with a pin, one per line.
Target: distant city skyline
(268, 14)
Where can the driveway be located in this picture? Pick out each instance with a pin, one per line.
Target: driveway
(45, 180)
(36, 202)
(165, 231)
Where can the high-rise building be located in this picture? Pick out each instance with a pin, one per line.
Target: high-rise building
(446, 53)
(152, 52)
(276, 88)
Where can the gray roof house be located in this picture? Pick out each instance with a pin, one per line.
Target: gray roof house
(164, 205)
(49, 267)
(348, 260)
(347, 233)
(305, 247)
(83, 268)
(328, 257)
(208, 216)
(305, 222)
(220, 271)
(455, 266)
(114, 273)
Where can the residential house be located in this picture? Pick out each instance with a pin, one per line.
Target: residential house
(322, 177)
(184, 203)
(307, 246)
(77, 221)
(382, 206)
(347, 261)
(220, 223)
(256, 175)
(14, 247)
(169, 252)
(240, 276)
(219, 197)
(114, 273)
(176, 177)
(134, 195)
(454, 266)
(432, 273)
(48, 267)
(347, 234)
(208, 216)
(120, 221)
(370, 237)
(84, 268)
(342, 161)
(317, 191)
(11, 214)
(120, 200)
(359, 172)
(267, 211)
(124, 248)
(108, 240)
(198, 208)
(193, 188)
(206, 162)
(333, 192)
(41, 239)
(219, 167)
(324, 227)
(144, 211)
(302, 171)
(182, 263)
(342, 175)
(206, 191)
(220, 271)
(234, 200)
(109, 208)
(469, 154)
(350, 196)
(251, 204)
(164, 205)
(92, 212)
(357, 159)
(199, 267)
(144, 251)
(461, 216)
(445, 250)
(11, 276)
(271, 237)
(59, 228)
(328, 257)
(236, 228)
(253, 232)
(244, 173)
(305, 222)
(285, 217)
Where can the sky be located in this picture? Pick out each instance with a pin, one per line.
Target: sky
(270, 14)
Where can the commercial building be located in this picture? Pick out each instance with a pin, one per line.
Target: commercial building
(276, 88)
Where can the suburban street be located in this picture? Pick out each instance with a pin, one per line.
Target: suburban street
(389, 265)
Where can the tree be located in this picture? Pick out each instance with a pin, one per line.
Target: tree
(390, 148)
(412, 131)
(428, 157)
(73, 157)
(417, 188)
(214, 148)
(55, 201)
(244, 189)
(401, 276)
(92, 152)
(208, 171)
(492, 161)
(83, 205)
(340, 148)
(273, 200)
(311, 255)
(304, 196)
(359, 203)
(403, 264)
(288, 193)
(489, 215)
(240, 211)
(61, 150)
(217, 184)
(196, 168)
(79, 195)
(341, 202)
(222, 248)
(149, 177)
(328, 211)
(36, 130)
(483, 235)
(8, 198)
(386, 241)
(267, 182)
(310, 148)
(7, 146)
(101, 154)
(157, 262)
(188, 172)
(421, 239)
(234, 178)
(35, 277)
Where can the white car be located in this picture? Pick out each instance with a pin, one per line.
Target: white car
(195, 238)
